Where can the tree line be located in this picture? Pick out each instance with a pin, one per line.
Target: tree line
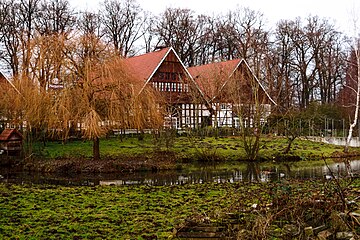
(300, 61)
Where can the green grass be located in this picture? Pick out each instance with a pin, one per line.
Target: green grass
(150, 212)
(110, 212)
(110, 147)
(227, 148)
(306, 149)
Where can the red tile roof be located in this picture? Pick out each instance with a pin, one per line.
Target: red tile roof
(211, 77)
(7, 133)
(143, 66)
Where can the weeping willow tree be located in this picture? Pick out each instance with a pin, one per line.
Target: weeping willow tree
(27, 101)
(26, 106)
(87, 87)
(6, 108)
(106, 98)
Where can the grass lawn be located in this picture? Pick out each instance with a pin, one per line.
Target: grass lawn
(226, 148)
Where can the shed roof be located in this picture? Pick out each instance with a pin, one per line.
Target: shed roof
(8, 133)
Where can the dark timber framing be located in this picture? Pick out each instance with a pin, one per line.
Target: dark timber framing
(180, 96)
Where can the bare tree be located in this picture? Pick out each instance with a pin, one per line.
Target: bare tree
(27, 11)
(306, 63)
(89, 24)
(279, 67)
(148, 30)
(250, 35)
(184, 31)
(55, 16)
(9, 36)
(173, 29)
(23, 22)
(250, 105)
(123, 24)
(55, 23)
(328, 52)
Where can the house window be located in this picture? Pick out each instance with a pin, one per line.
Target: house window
(173, 87)
(237, 122)
(170, 122)
(161, 86)
(161, 75)
(178, 123)
(186, 87)
(173, 76)
(167, 87)
(167, 76)
(224, 106)
(179, 87)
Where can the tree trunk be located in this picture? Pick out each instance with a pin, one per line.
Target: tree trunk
(288, 147)
(251, 139)
(353, 124)
(96, 148)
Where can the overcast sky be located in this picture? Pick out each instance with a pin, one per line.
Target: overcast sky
(341, 12)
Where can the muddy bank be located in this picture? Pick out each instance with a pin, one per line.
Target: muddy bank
(155, 161)
(107, 164)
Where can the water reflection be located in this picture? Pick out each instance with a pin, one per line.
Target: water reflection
(234, 172)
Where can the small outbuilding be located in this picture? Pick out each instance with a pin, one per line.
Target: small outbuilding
(11, 142)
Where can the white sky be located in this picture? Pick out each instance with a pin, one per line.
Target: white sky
(339, 12)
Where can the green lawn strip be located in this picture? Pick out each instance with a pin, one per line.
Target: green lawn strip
(78, 148)
(226, 148)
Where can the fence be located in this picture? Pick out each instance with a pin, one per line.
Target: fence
(341, 141)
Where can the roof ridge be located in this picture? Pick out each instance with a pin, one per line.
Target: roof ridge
(149, 53)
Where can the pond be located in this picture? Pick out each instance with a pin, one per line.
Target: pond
(195, 174)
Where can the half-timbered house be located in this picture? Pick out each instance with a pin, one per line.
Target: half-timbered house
(234, 92)
(178, 94)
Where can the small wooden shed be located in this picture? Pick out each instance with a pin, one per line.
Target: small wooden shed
(11, 141)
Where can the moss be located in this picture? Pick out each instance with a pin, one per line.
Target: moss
(43, 211)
